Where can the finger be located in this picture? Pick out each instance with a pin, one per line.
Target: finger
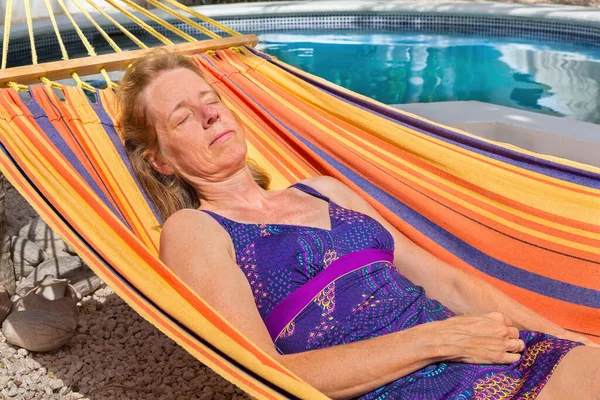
(513, 332)
(509, 358)
(515, 346)
(498, 316)
(508, 320)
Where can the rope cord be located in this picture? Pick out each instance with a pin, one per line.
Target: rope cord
(50, 83)
(111, 42)
(63, 51)
(141, 23)
(17, 86)
(82, 84)
(30, 29)
(184, 19)
(203, 18)
(86, 43)
(161, 21)
(7, 19)
(118, 25)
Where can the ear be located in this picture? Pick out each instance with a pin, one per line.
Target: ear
(159, 164)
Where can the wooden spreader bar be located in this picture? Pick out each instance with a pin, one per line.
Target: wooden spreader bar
(111, 62)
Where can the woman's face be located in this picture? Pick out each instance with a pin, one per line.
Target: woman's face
(198, 135)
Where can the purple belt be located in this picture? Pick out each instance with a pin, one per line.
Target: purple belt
(288, 308)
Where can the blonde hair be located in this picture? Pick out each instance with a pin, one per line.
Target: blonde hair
(169, 193)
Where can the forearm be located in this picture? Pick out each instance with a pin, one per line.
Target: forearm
(352, 369)
(471, 295)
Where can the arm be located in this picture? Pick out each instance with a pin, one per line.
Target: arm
(459, 291)
(199, 251)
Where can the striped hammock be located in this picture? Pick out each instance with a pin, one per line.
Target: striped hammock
(527, 223)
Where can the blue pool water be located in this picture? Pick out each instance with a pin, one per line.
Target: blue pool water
(396, 68)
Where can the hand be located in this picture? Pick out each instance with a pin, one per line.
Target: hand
(478, 339)
(577, 338)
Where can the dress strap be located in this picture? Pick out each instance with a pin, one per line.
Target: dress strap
(220, 219)
(309, 190)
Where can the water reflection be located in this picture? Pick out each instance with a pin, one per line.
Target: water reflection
(396, 68)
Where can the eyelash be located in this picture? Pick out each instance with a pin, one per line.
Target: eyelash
(183, 120)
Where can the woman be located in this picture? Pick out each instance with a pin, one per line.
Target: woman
(371, 333)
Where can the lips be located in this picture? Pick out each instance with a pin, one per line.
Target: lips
(219, 135)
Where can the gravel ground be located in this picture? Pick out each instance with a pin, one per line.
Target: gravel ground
(116, 354)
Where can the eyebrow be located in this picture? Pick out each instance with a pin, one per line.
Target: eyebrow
(182, 102)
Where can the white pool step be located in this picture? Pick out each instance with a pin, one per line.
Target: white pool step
(558, 136)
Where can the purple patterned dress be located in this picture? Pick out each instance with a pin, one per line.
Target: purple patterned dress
(371, 301)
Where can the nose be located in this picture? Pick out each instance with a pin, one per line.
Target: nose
(210, 116)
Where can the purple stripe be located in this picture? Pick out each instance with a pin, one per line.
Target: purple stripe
(288, 308)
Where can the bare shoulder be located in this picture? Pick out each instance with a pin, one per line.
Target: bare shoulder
(335, 189)
(191, 231)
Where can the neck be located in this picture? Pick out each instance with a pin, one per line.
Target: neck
(238, 190)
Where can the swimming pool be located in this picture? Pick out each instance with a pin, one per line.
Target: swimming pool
(555, 78)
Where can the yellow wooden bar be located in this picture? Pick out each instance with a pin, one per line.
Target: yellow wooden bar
(111, 62)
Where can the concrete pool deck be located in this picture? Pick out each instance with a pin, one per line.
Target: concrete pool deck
(577, 15)
(545, 134)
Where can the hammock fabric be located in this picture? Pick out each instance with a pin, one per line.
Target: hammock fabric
(527, 223)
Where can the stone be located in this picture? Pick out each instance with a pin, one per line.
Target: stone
(80, 276)
(7, 271)
(5, 303)
(25, 255)
(39, 232)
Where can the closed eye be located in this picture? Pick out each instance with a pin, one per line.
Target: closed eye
(183, 120)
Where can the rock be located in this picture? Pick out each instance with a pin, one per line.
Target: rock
(46, 238)
(5, 303)
(38, 330)
(80, 276)
(25, 255)
(52, 294)
(7, 271)
(45, 318)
